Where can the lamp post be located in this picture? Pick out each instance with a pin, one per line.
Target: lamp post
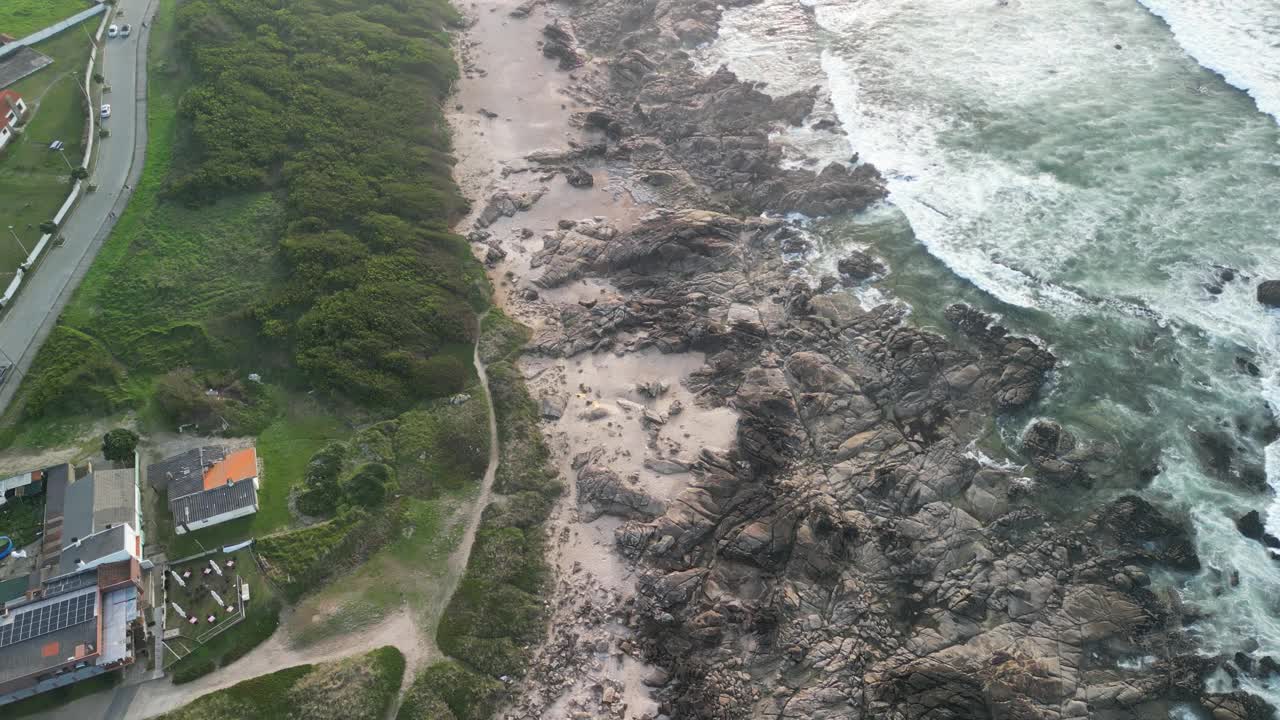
(18, 239)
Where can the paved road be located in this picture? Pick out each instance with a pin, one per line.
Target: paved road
(32, 314)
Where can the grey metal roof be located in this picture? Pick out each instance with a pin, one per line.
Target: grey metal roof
(77, 511)
(55, 490)
(102, 499)
(98, 545)
(184, 474)
(216, 501)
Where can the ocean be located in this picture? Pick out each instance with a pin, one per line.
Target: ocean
(1100, 174)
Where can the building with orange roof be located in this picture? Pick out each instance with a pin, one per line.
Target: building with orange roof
(12, 108)
(208, 485)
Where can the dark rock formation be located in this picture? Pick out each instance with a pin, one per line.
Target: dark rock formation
(1269, 293)
(559, 44)
(1251, 526)
(858, 265)
(579, 177)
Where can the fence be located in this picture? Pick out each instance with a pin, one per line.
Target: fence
(91, 135)
(45, 34)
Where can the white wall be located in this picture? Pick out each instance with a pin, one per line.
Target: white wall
(216, 519)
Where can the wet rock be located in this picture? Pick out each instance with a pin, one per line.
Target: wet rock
(1269, 293)
(857, 266)
(1251, 526)
(1222, 457)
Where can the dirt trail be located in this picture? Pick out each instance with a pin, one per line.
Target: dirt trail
(457, 565)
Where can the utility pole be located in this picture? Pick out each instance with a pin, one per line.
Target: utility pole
(19, 240)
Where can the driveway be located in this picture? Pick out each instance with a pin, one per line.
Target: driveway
(34, 311)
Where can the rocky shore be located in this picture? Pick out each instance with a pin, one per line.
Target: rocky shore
(776, 505)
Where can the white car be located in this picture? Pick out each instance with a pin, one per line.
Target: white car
(124, 30)
(113, 31)
(106, 112)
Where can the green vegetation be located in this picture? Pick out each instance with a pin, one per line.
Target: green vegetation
(299, 560)
(48, 701)
(377, 287)
(21, 518)
(448, 691)
(524, 464)
(407, 572)
(20, 18)
(262, 617)
(501, 337)
(34, 180)
(118, 445)
(292, 221)
(497, 611)
(360, 687)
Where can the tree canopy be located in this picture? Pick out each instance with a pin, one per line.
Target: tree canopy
(335, 104)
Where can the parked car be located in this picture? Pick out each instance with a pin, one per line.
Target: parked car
(106, 112)
(113, 31)
(124, 30)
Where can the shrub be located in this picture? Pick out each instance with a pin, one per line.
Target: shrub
(378, 288)
(118, 445)
(448, 691)
(369, 486)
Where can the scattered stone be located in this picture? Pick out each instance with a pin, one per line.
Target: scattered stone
(579, 177)
(652, 389)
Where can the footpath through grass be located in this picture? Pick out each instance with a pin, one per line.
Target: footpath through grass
(34, 180)
(20, 18)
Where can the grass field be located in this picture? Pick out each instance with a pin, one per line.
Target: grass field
(361, 687)
(20, 18)
(34, 180)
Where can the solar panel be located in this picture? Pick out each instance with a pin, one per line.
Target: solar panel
(49, 619)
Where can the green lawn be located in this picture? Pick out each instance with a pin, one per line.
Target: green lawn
(34, 180)
(20, 18)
